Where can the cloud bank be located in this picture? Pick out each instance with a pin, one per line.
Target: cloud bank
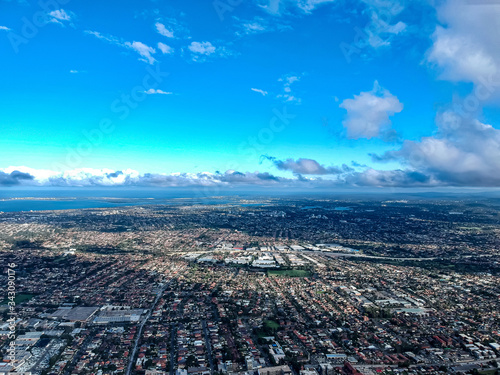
(464, 152)
(14, 178)
(305, 166)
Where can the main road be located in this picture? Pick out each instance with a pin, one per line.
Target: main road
(208, 345)
(139, 333)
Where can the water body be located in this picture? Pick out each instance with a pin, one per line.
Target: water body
(65, 199)
(78, 198)
(30, 199)
(37, 205)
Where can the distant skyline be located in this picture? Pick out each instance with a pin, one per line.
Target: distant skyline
(329, 94)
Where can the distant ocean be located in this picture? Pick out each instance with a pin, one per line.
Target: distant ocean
(64, 199)
(28, 199)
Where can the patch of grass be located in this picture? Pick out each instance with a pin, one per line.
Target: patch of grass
(289, 273)
(488, 372)
(60, 259)
(20, 298)
(271, 324)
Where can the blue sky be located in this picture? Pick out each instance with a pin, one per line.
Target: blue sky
(320, 93)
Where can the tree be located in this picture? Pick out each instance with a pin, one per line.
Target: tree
(191, 361)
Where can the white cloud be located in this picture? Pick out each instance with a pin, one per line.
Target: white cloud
(465, 48)
(201, 51)
(264, 93)
(153, 91)
(259, 25)
(165, 49)
(5, 28)
(306, 166)
(392, 178)
(368, 113)
(59, 16)
(382, 35)
(163, 30)
(107, 38)
(343, 176)
(279, 7)
(145, 51)
(38, 174)
(382, 27)
(72, 71)
(142, 49)
(290, 98)
(107, 177)
(252, 28)
(172, 27)
(307, 6)
(272, 6)
(290, 79)
(76, 177)
(287, 95)
(203, 48)
(463, 152)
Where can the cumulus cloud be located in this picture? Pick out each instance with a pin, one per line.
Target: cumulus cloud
(262, 92)
(465, 45)
(200, 51)
(163, 30)
(15, 177)
(165, 49)
(60, 16)
(145, 51)
(464, 152)
(202, 48)
(5, 28)
(368, 113)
